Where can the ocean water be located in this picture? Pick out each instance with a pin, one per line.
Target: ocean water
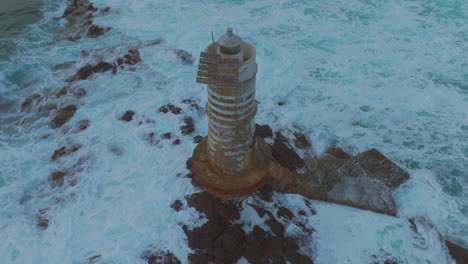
(356, 74)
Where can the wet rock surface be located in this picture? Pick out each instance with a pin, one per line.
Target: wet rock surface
(284, 154)
(42, 218)
(62, 115)
(60, 152)
(459, 254)
(338, 153)
(160, 257)
(188, 126)
(263, 131)
(127, 116)
(184, 56)
(222, 240)
(300, 141)
(28, 101)
(170, 108)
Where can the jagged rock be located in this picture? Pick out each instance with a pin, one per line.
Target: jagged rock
(96, 31)
(167, 135)
(62, 115)
(82, 74)
(197, 139)
(184, 56)
(339, 153)
(280, 103)
(263, 131)
(127, 116)
(301, 141)
(60, 152)
(284, 212)
(160, 257)
(57, 178)
(176, 142)
(170, 107)
(30, 100)
(78, 92)
(42, 218)
(131, 58)
(82, 125)
(177, 205)
(188, 128)
(286, 156)
(104, 67)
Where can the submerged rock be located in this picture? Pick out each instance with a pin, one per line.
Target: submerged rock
(56, 178)
(184, 56)
(42, 218)
(62, 115)
(60, 152)
(300, 141)
(96, 31)
(30, 100)
(82, 125)
(160, 257)
(188, 126)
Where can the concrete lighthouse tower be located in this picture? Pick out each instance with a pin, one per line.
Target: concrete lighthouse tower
(230, 161)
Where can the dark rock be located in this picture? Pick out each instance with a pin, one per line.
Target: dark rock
(169, 107)
(188, 164)
(266, 193)
(82, 74)
(94, 259)
(106, 9)
(280, 103)
(167, 135)
(153, 42)
(57, 178)
(95, 31)
(301, 141)
(301, 213)
(197, 139)
(184, 56)
(279, 137)
(260, 211)
(161, 257)
(227, 247)
(286, 156)
(284, 212)
(263, 131)
(193, 105)
(82, 125)
(127, 116)
(459, 254)
(176, 142)
(104, 67)
(62, 92)
(213, 207)
(276, 227)
(62, 115)
(338, 153)
(30, 100)
(132, 57)
(177, 205)
(42, 218)
(60, 152)
(188, 128)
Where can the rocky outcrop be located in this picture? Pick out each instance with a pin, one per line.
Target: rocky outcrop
(459, 254)
(300, 141)
(160, 257)
(127, 116)
(222, 240)
(34, 98)
(62, 115)
(170, 108)
(188, 126)
(60, 152)
(42, 218)
(184, 56)
(285, 155)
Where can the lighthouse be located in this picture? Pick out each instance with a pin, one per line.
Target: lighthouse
(230, 161)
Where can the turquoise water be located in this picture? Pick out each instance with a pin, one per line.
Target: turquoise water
(355, 74)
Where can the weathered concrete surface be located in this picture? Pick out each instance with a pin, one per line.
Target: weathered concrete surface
(365, 181)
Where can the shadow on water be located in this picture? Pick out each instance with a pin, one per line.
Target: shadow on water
(15, 15)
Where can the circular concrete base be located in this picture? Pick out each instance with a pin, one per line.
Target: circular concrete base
(225, 185)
